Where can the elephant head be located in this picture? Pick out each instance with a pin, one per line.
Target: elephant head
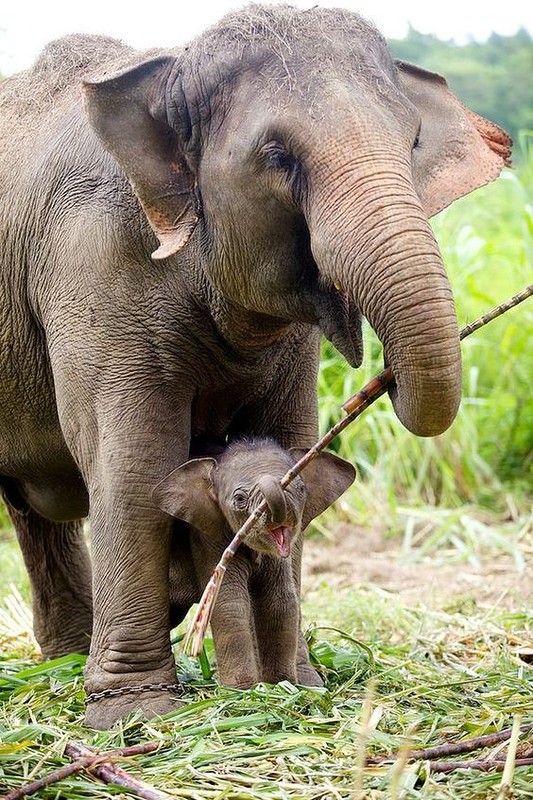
(289, 156)
(217, 496)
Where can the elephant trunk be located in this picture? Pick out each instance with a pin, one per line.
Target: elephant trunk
(273, 493)
(371, 238)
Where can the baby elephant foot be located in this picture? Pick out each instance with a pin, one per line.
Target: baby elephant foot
(152, 700)
(308, 676)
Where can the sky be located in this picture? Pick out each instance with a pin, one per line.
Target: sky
(25, 27)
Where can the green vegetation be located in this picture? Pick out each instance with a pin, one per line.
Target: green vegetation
(416, 675)
(492, 78)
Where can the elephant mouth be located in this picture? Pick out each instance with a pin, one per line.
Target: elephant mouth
(340, 322)
(281, 537)
(272, 541)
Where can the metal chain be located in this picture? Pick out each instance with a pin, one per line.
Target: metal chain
(93, 697)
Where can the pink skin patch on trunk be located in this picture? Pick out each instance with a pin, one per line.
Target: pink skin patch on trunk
(281, 536)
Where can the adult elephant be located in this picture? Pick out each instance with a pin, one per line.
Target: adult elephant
(173, 247)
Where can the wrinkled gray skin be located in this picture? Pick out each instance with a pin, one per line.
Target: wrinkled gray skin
(176, 234)
(256, 619)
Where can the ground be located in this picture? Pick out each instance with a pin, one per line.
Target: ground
(354, 556)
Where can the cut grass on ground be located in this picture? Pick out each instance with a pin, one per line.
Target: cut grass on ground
(436, 677)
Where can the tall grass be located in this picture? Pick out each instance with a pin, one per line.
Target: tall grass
(487, 455)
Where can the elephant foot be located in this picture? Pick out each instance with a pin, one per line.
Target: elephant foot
(109, 706)
(308, 676)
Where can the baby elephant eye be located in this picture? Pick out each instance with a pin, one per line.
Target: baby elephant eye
(240, 498)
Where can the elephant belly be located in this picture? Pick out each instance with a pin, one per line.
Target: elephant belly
(214, 411)
(58, 498)
(37, 469)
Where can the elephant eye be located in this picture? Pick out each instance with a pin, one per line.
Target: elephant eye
(240, 498)
(278, 158)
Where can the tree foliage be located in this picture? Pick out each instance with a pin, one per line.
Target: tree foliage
(492, 78)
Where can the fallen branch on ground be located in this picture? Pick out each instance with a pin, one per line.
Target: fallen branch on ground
(456, 748)
(483, 765)
(88, 759)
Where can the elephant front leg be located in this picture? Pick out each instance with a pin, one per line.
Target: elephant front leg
(233, 630)
(277, 619)
(131, 666)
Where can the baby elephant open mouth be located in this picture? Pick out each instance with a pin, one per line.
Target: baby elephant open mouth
(272, 538)
(282, 537)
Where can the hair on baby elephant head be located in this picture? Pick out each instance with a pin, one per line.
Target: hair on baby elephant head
(217, 495)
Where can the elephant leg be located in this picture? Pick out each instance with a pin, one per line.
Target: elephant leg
(277, 620)
(59, 568)
(232, 621)
(306, 673)
(184, 589)
(234, 638)
(131, 666)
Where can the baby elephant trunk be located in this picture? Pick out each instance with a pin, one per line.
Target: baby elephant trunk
(271, 490)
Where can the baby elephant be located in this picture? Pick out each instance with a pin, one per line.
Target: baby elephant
(256, 620)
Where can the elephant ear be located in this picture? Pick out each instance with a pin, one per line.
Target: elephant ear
(326, 477)
(127, 114)
(458, 150)
(187, 494)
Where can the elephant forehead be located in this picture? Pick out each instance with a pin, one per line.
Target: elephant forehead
(289, 34)
(270, 49)
(248, 467)
(243, 463)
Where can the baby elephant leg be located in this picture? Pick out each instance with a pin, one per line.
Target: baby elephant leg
(277, 617)
(233, 630)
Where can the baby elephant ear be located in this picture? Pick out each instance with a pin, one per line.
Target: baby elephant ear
(458, 150)
(326, 477)
(187, 494)
(127, 112)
